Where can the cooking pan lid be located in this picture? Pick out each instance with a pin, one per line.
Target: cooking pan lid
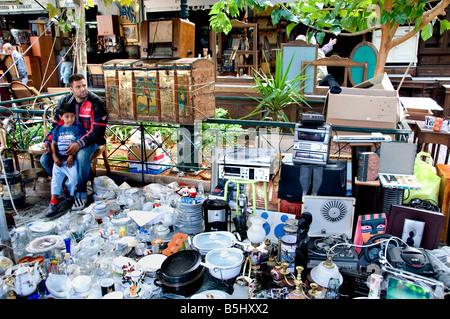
(181, 263)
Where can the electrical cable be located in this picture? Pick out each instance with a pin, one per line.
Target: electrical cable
(370, 245)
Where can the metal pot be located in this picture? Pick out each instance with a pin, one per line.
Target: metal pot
(181, 273)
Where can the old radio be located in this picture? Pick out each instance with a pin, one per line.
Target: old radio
(311, 143)
(167, 39)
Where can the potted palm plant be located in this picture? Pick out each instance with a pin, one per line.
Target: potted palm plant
(276, 92)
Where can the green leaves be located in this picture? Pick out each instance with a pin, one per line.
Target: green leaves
(276, 92)
(444, 25)
(426, 32)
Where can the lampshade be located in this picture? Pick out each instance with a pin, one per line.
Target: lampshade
(256, 232)
(323, 272)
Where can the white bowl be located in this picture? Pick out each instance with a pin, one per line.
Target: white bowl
(151, 263)
(81, 283)
(58, 285)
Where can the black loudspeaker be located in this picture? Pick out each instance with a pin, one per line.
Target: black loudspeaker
(334, 179)
(298, 179)
(289, 187)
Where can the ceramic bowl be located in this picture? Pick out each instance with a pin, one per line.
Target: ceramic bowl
(58, 285)
(81, 283)
(151, 263)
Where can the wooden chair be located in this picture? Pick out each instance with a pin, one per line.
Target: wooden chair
(336, 61)
(22, 91)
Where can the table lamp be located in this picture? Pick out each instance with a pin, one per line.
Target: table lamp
(323, 272)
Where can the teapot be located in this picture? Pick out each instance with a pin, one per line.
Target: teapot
(25, 279)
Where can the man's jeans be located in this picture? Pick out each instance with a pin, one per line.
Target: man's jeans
(84, 167)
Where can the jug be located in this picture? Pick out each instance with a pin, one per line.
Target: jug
(25, 279)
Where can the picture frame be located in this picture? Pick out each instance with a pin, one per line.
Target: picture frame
(130, 32)
(301, 52)
(401, 216)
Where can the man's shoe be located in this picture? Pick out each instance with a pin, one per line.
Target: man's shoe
(79, 203)
(52, 210)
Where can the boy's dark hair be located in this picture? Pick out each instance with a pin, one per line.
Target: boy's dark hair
(76, 77)
(66, 108)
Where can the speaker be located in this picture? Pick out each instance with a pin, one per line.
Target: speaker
(333, 181)
(289, 187)
(301, 179)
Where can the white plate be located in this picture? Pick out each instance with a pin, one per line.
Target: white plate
(44, 243)
(210, 294)
(151, 262)
(41, 227)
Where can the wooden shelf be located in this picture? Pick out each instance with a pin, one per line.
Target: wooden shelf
(371, 183)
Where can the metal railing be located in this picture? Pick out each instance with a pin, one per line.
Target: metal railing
(196, 142)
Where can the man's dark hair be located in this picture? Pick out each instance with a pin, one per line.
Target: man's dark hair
(76, 77)
(66, 108)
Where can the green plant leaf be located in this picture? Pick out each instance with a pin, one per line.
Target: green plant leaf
(426, 32)
(289, 28)
(443, 26)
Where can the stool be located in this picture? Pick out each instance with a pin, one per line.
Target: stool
(101, 150)
(240, 181)
(443, 171)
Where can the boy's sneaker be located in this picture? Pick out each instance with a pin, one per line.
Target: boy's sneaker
(52, 210)
(79, 203)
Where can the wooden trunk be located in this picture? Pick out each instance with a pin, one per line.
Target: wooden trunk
(168, 91)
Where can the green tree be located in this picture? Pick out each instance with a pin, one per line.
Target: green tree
(344, 18)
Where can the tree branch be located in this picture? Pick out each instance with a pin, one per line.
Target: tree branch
(432, 14)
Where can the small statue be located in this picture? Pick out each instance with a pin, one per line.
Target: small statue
(301, 251)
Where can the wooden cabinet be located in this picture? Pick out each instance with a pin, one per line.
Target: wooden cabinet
(108, 25)
(434, 53)
(230, 49)
(42, 48)
(406, 52)
(34, 71)
(161, 39)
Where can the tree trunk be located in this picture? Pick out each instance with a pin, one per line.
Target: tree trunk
(381, 60)
(387, 33)
(80, 46)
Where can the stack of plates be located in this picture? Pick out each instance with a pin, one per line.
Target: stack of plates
(45, 243)
(190, 218)
(39, 229)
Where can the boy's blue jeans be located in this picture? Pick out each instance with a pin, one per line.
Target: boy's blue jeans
(84, 167)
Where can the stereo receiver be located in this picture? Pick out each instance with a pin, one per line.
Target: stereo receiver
(246, 163)
(311, 144)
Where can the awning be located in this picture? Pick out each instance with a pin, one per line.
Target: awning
(174, 5)
(25, 7)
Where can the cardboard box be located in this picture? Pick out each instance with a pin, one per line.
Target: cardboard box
(154, 159)
(358, 107)
(416, 108)
(381, 82)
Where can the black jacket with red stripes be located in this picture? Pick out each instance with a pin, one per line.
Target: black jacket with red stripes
(92, 115)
